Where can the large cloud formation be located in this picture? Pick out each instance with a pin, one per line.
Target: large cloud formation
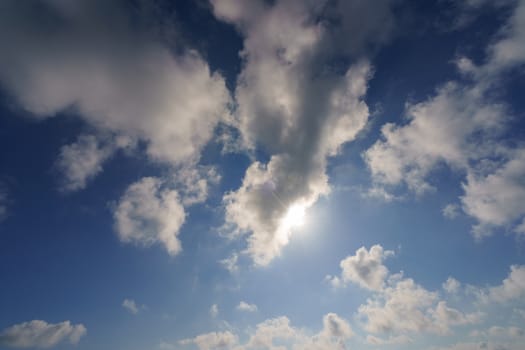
(40, 334)
(296, 104)
(465, 127)
(103, 62)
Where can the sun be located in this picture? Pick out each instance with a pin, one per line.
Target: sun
(295, 216)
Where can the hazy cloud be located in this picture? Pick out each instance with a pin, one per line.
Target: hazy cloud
(244, 306)
(40, 334)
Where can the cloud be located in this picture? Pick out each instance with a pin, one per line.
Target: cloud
(40, 334)
(512, 287)
(213, 340)
(295, 107)
(496, 199)
(131, 306)
(87, 56)
(465, 128)
(365, 268)
(82, 160)
(451, 285)
(451, 211)
(272, 333)
(214, 310)
(230, 263)
(148, 213)
(444, 129)
(400, 339)
(244, 306)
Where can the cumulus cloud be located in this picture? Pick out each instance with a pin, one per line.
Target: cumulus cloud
(398, 304)
(512, 287)
(244, 306)
(272, 333)
(110, 66)
(86, 56)
(40, 334)
(365, 268)
(463, 127)
(213, 341)
(496, 199)
(295, 105)
(148, 213)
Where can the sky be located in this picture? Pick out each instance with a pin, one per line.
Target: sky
(263, 174)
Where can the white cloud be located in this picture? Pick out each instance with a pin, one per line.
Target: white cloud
(244, 306)
(214, 310)
(440, 130)
(82, 160)
(213, 341)
(272, 333)
(365, 268)
(295, 106)
(116, 80)
(463, 127)
(496, 199)
(131, 306)
(512, 287)
(40, 334)
(149, 213)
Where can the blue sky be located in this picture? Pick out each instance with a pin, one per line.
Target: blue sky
(285, 174)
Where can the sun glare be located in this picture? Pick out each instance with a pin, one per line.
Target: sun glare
(295, 216)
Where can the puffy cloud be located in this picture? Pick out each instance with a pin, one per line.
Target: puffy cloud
(148, 213)
(40, 334)
(244, 306)
(406, 307)
(272, 333)
(118, 78)
(451, 285)
(512, 287)
(365, 268)
(463, 127)
(496, 199)
(294, 106)
(444, 129)
(213, 341)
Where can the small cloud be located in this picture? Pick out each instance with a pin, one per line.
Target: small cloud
(214, 310)
(244, 306)
(132, 307)
(230, 263)
(451, 285)
(451, 211)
